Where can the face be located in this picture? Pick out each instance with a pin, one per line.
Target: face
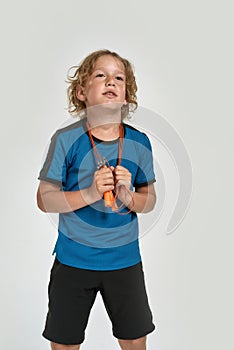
(106, 84)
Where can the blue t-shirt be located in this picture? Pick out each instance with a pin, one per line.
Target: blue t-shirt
(94, 237)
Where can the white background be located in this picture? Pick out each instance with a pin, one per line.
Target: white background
(183, 56)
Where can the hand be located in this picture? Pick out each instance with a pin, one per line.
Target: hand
(103, 181)
(123, 183)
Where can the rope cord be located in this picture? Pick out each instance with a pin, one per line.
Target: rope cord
(110, 197)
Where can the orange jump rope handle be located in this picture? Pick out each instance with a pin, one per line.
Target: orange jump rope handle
(109, 198)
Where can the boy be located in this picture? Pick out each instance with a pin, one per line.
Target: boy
(97, 175)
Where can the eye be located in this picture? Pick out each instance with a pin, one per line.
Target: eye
(100, 75)
(120, 78)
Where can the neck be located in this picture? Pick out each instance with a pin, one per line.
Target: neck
(104, 115)
(106, 132)
(104, 122)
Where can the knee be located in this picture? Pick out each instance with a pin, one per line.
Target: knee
(56, 346)
(133, 344)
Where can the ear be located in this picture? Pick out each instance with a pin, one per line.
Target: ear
(80, 93)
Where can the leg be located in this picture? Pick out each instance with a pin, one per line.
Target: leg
(124, 295)
(134, 344)
(72, 293)
(55, 346)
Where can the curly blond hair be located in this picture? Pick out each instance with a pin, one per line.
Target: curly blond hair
(82, 71)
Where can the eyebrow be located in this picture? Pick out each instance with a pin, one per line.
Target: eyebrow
(104, 69)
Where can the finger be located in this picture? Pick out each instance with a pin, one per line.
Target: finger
(105, 171)
(104, 179)
(120, 167)
(105, 188)
(123, 175)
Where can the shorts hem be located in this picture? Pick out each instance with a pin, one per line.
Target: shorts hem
(62, 342)
(140, 335)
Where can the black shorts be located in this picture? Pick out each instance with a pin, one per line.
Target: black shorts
(72, 292)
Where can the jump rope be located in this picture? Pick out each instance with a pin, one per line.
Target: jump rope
(110, 197)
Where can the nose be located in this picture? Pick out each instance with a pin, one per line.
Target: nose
(110, 81)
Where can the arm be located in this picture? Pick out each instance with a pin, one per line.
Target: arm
(51, 199)
(142, 200)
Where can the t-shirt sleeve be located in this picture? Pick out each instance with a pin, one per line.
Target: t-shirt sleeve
(54, 167)
(145, 174)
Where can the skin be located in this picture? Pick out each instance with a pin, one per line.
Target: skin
(105, 86)
(135, 344)
(108, 75)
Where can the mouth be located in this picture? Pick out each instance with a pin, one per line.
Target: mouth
(110, 94)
